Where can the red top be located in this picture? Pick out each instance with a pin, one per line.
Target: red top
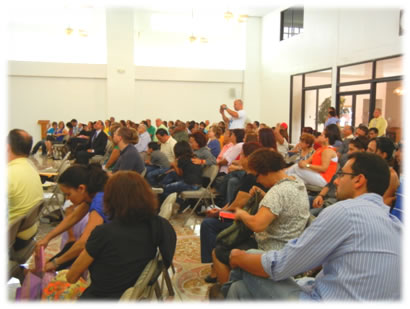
(317, 160)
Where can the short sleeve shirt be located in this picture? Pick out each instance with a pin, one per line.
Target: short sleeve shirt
(288, 200)
(238, 123)
(97, 204)
(192, 173)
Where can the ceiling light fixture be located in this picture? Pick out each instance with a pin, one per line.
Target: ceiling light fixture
(228, 15)
(398, 91)
(243, 18)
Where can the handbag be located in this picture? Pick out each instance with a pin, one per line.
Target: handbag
(238, 232)
(36, 280)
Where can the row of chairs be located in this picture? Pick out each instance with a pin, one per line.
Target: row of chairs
(18, 257)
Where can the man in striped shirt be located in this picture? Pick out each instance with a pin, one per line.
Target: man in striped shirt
(356, 241)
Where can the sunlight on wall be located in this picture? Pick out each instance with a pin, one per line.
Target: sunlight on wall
(163, 40)
(39, 34)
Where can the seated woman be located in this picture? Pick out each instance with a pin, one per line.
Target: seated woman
(213, 144)
(322, 165)
(116, 253)
(211, 226)
(83, 186)
(189, 175)
(283, 211)
(267, 138)
(115, 152)
(281, 138)
(303, 150)
(203, 155)
(58, 135)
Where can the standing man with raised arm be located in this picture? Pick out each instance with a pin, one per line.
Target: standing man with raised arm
(238, 115)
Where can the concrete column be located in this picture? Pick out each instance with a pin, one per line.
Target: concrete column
(252, 74)
(120, 64)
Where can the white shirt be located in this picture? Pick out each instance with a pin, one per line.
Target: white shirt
(238, 123)
(168, 148)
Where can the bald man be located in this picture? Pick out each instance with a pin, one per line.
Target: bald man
(238, 115)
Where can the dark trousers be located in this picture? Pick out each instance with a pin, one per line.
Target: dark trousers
(210, 228)
(83, 157)
(65, 249)
(37, 146)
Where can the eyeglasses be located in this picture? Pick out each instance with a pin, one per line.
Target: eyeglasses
(340, 174)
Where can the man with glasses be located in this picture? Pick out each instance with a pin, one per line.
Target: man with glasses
(356, 241)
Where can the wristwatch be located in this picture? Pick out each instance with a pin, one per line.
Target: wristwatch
(308, 165)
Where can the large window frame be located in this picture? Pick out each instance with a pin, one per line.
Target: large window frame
(373, 81)
(305, 88)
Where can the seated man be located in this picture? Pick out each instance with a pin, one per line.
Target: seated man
(24, 184)
(96, 145)
(130, 159)
(357, 241)
(156, 164)
(143, 141)
(327, 196)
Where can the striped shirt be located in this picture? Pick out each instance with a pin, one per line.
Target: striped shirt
(357, 242)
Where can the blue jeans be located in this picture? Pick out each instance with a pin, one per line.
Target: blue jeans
(210, 228)
(152, 173)
(243, 285)
(177, 186)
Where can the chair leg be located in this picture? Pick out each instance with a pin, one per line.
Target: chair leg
(165, 275)
(192, 211)
(157, 291)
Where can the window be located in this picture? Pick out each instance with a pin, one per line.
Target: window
(291, 22)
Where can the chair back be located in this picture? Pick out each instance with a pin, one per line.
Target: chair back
(210, 172)
(32, 216)
(14, 228)
(144, 287)
(166, 207)
(144, 172)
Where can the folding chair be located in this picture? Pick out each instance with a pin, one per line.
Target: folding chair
(52, 194)
(166, 212)
(20, 224)
(203, 193)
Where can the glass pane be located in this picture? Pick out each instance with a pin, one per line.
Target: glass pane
(318, 78)
(389, 98)
(356, 72)
(325, 101)
(310, 109)
(361, 114)
(346, 110)
(296, 108)
(354, 87)
(389, 67)
(298, 17)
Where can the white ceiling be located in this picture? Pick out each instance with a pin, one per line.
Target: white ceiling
(250, 7)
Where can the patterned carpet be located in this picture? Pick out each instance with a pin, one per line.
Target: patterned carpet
(187, 281)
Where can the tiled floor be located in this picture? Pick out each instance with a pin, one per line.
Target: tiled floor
(189, 271)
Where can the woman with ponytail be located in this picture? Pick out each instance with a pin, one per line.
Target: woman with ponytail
(84, 187)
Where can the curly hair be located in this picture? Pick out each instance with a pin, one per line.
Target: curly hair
(265, 160)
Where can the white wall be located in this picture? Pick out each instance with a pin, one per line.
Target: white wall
(331, 37)
(61, 91)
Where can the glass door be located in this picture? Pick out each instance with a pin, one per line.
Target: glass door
(354, 108)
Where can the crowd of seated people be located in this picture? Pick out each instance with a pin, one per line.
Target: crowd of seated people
(254, 159)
